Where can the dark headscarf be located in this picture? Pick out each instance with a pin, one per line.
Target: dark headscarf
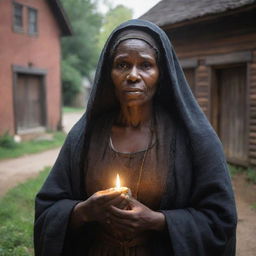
(134, 34)
(173, 93)
(198, 203)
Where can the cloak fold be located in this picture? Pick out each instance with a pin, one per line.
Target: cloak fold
(198, 203)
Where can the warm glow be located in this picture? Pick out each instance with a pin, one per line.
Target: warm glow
(118, 183)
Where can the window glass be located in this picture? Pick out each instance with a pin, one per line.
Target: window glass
(32, 20)
(18, 21)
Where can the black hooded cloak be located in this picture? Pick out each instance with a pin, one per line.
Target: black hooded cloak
(198, 202)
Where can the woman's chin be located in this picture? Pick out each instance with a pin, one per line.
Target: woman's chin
(131, 100)
(134, 102)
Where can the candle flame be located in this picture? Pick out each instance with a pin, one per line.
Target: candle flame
(118, 183)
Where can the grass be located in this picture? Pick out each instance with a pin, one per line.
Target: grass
(233, 170)
(17, 216)
(30, 147)
(72, 110)
(251, 175)
(249, 172)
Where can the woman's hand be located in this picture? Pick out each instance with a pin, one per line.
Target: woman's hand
(96, 207)
(136, 220)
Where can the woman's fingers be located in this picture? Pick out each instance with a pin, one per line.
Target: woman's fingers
(105, 196)
(108, 193)
(121, 221)
(119, 202)
(123, 214)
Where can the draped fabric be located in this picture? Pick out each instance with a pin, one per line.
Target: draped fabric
(104, 162)
(198, 200)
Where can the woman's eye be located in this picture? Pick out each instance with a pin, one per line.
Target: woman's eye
(146, 65)
(122, 65)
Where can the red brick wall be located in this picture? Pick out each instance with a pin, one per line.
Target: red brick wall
(43, 51)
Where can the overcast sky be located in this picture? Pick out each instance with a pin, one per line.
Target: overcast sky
(139, 6)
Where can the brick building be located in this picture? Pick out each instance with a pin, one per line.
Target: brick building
(30, 54)
(216, 44)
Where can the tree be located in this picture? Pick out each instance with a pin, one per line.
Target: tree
(114, 16)
(71, 78)
(80, 51)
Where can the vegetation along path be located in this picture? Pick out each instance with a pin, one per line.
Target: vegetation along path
(15, 171)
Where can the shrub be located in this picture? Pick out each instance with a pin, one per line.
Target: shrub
(7, 141)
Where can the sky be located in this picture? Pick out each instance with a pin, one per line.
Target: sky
(139, 7)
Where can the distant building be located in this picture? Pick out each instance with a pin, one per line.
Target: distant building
(30, 54)
(216, 43)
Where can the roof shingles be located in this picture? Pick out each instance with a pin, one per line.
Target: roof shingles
(174, 11)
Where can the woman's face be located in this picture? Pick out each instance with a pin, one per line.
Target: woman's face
(134, 72)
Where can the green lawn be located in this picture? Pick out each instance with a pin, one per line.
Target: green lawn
(17, 216)
(30, 147)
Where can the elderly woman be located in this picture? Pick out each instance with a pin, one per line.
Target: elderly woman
(142, 122)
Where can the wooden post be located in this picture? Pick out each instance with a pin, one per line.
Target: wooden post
(202, 87)
(252, 109)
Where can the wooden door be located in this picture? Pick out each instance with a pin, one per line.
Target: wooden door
(190, 76)
(229, 112)
(29, 102)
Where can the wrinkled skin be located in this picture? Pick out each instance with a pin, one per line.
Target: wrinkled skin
(135, 73)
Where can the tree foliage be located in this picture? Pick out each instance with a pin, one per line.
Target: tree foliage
(71, 78)
(114, 17)
(80, 51)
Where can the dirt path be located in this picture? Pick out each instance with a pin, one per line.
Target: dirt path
(17, 170)
(246, 229)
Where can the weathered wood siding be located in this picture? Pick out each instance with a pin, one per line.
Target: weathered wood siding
(225, 42)
(225, 35)
(232, 127)
(252, 107)
(202, 88)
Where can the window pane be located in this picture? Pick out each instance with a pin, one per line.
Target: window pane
(18, 15)
(32, 21)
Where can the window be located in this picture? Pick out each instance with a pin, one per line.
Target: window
(18, 17)
(32, 21)
(31, 16)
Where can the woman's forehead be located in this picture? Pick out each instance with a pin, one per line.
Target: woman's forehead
(137, 46)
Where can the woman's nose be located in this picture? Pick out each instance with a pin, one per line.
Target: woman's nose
(133, 75)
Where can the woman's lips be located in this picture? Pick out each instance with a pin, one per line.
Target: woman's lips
(133, 90)
(133, 93)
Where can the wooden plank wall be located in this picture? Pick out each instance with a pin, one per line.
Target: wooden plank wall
(202, 87)
(252, 107)
(228, 35)
(220, 36)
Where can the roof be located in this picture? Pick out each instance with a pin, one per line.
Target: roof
(168, 12)
(61, 17)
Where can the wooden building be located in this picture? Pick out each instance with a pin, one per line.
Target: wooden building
(216, 44)
(30, 54)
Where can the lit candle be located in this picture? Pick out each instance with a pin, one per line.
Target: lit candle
(118, 187)
(118, 182)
